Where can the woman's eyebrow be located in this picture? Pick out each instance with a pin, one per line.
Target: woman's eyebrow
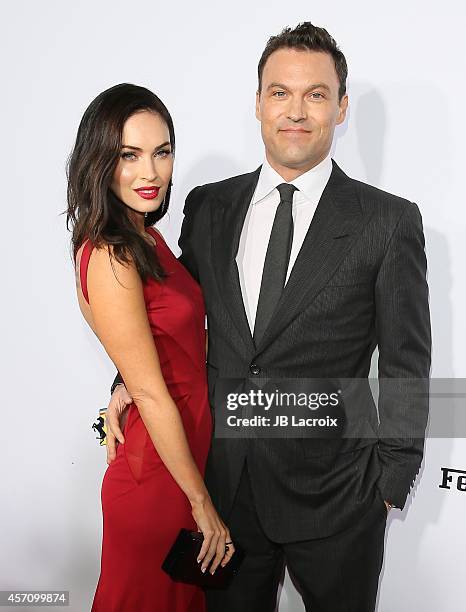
(123, 146)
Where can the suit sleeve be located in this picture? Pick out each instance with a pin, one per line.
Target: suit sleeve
(118, 381)
(404, 342)
(186, 241)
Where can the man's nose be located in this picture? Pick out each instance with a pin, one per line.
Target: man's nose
(296, 110)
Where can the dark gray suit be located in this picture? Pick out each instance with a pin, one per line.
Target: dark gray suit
(359, 281)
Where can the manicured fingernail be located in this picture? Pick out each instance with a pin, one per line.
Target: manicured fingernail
(198, 560)
(203, 570)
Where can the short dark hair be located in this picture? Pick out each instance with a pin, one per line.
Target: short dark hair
(306, 36)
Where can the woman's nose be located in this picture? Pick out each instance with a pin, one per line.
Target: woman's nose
(149, 170)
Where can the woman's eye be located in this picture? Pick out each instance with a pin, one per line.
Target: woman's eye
(163, 153)
(128, 155)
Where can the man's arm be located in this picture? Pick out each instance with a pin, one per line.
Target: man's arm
(118, 381)
(404, 340)
(187, 257)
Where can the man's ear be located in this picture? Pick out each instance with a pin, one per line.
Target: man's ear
(343, 108)
(258, 112)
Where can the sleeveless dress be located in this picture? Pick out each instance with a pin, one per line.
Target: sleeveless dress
(143, 507)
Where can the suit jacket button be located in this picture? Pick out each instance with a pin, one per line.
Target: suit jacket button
(254, 369)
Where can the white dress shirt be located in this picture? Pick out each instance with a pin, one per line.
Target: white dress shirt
(258, 223)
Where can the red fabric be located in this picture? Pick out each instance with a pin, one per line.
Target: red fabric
(84, 263)
(143, 507)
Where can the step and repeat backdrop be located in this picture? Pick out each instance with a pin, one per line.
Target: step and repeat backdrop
(404, 133)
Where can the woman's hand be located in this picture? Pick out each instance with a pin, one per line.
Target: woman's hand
(117, 413)
(216, 535)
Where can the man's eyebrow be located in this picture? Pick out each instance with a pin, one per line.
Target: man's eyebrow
(320, 86)
(272, 85)
(164, 144)
(313, 86)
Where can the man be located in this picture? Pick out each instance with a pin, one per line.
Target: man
(304, 272)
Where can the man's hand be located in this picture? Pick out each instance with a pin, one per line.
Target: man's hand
(117, 413)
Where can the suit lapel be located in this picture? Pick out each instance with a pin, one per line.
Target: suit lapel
(228, 217)
(336, 223)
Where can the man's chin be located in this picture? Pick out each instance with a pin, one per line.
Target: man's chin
(298, 163)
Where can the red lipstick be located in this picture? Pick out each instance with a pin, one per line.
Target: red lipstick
(148, 193)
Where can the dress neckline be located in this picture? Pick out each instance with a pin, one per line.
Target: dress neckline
(155, 235)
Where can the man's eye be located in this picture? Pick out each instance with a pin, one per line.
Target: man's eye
(316, 95)
(128, 155)
(279, 94)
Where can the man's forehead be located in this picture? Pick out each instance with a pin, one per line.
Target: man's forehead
(297, 65)
(298, 57)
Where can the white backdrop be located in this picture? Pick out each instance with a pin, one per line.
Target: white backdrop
(404, 133)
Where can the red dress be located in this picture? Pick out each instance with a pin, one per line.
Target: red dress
(143, 507)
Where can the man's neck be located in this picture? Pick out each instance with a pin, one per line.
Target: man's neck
(290, 174)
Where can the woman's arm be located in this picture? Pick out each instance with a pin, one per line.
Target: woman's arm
(119, 313)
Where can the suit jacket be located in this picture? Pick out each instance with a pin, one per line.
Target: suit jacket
(358, 282)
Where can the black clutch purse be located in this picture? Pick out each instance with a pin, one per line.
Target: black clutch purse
(182, 566)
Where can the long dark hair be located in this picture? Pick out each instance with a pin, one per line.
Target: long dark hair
(94, 211)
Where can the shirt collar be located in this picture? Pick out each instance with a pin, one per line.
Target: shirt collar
(311, 184)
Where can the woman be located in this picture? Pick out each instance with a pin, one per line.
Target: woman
(148, 312)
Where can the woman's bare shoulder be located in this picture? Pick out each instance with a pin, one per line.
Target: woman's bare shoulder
(107, 272)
